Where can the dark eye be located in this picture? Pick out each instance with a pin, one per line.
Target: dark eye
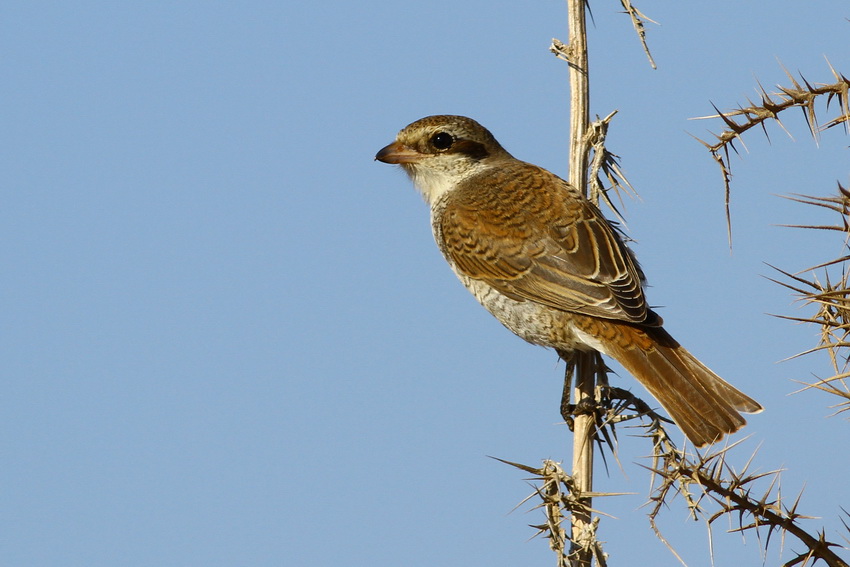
(442, 140)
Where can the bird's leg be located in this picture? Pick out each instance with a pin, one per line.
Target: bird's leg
(593, 370)
(567, 408)
(588, 405)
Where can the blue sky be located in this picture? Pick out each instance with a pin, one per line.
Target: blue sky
(228, 339)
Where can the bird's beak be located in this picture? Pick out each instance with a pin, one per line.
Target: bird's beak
(398, 153)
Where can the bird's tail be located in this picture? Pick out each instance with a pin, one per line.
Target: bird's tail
(702, 404)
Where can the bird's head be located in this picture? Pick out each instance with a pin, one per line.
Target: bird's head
(438, 152)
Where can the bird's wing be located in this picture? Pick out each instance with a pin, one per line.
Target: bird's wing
(535, 238)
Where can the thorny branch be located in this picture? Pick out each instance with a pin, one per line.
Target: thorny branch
(709, 479)
(769, 107)
(708, 484)
(830, 297)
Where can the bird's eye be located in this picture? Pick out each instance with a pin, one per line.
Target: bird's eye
(442, 140)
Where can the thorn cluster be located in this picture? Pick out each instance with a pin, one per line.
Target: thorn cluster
(605, 162)
(560, 499)
(830, 296)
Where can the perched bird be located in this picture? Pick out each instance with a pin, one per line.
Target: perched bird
(545, 262)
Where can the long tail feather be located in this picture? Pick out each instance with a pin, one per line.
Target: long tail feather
(702, 404)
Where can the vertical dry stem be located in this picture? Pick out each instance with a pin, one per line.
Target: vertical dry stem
(584, 424)
(579, 93)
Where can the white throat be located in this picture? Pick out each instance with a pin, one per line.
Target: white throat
(434, 182)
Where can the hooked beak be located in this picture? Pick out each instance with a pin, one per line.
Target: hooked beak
(398, 153)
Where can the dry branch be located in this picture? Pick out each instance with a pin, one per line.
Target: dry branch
(801, 94)
(709, 481)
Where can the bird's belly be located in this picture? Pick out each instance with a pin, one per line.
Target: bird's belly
(533, 322)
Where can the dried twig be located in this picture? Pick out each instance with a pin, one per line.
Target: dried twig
(637, 21)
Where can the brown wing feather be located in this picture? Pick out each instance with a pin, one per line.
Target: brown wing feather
(536, 238)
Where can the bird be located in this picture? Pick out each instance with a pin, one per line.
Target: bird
(544, 260)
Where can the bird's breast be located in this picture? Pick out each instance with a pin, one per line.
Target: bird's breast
(534, 323)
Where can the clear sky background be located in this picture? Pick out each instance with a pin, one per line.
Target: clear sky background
(227, 337)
